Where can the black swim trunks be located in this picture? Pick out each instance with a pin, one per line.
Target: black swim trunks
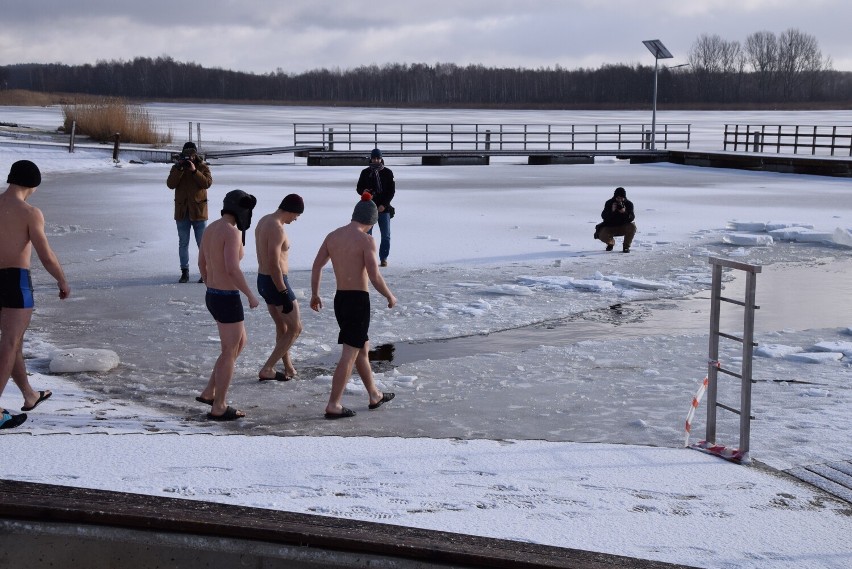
(225, 305)
(266, 288)
(352, 310)
(16, 288)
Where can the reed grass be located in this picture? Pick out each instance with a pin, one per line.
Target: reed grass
(103, 118)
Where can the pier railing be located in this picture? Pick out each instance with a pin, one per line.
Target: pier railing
(789, 139)
(493, 138)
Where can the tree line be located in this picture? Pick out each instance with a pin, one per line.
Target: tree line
(767, 69)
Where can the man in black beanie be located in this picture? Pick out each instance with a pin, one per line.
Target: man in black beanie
(21, 231)
(273, 248)
(190, 178)
(618, 219)
(379, 181)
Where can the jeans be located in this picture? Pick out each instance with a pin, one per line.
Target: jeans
(384, 228)
(183, 227)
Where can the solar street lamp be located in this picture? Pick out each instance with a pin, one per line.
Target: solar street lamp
(660, 52)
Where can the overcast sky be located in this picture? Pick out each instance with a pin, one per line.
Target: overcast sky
(262, 36)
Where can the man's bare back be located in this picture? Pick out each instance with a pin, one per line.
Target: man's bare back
(353, 257)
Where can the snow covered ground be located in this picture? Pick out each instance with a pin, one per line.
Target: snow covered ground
(564, 425)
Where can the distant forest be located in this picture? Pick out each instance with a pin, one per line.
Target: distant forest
(767, 70)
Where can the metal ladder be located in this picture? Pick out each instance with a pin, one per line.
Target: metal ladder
(715, 367)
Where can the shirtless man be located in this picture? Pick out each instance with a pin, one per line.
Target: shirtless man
(21, 230)
(272, 284)
(353, 258)
(219, 263)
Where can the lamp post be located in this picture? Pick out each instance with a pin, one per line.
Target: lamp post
(660, 52)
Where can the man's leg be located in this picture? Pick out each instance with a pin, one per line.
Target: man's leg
(384, 228)
(19, 376)
(629, 232)
(232, 338)
(341, 377)
(362, 364)
(606, 235)
(13, 323)
(198, 228)
(288, 327)
(183, 227)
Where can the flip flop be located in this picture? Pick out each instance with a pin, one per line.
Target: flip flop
(200, 399)
(385, 398)
(230, 414)
(42, 396)
(278, 377)
(342, 415)
(9, 421)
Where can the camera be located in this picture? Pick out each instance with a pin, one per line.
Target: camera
(183, 161)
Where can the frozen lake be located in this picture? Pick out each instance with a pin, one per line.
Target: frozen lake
(483, 346)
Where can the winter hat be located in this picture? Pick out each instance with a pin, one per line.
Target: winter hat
(190, 146)
(366, 211)
(376, 153)
(25, 174)
(620, 192)
(293, 203)
(239, 204)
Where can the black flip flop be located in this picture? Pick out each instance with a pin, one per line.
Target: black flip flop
(385, 398)
(278, 377)
(344, 413)
(230, 414)
(200, 399)
(42, 396)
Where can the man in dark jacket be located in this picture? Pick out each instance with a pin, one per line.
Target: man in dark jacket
(189, 178)
(378, 180)
(618, 219)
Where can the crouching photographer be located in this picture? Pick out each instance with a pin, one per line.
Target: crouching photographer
(190, 178)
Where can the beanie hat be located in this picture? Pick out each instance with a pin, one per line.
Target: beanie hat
(366, 211)
(25, 174)
(620, 192)
(190, 146)
(376, 153)
(293, 203)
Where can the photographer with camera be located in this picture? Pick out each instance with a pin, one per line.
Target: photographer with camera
(618, 219)
(189, 178)
(378, 181)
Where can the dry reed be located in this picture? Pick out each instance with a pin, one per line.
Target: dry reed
(103, 118)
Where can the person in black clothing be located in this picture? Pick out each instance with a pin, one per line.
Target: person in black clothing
(379, 181)
(618, 219)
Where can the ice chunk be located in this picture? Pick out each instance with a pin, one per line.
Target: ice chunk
(747, 239)
(814, 357)
(77, 360)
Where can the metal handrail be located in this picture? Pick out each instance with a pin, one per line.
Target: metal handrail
(487, 137)
(777, 138)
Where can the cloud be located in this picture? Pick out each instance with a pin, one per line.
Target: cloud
(252, 35)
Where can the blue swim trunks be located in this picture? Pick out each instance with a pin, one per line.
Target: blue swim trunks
(266, 289)
(16, 288)
(225, 305)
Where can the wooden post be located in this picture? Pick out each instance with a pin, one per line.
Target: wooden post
(190, 132)
(116, 144)
(73, 134)
(488, 139)
(198, 136)
(330, 139)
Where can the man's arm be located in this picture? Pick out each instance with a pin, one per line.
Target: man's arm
(389, 187)
(202, 261)
(232, 266)
(362, 184)
(375, 275)
(45, 253)
(202, 176)
(175, 174)
(316, 274)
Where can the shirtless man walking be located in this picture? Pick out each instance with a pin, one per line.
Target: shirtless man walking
(353, 258)
(21, 230)
(272, 284)
(219, 263)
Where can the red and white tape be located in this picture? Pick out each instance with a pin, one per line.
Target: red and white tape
(695, 402)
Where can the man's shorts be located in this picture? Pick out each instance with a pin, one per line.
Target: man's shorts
(352, 310)
(266, 288)
(16, 288)
(225, 305)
